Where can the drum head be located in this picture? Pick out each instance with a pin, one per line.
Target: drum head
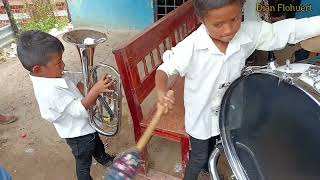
(270, 130)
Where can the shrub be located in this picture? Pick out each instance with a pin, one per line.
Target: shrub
(42, 17)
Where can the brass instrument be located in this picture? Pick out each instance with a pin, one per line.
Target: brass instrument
(105, 116)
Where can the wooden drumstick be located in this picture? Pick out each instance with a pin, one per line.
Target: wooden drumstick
(146, 136)
(127, 164)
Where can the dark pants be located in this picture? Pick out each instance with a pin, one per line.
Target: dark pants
(199, 156)
(301, 54)
(83, 148)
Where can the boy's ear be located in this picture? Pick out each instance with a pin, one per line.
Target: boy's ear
(36, 69)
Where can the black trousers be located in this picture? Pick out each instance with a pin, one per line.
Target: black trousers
(199, 156)
(83, 149)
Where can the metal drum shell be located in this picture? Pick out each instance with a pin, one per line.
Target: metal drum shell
(294, 77)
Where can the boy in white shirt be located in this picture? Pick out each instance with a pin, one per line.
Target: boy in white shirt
(211, 58)
(60, 98)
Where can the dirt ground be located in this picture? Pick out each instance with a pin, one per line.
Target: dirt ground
(41, 154)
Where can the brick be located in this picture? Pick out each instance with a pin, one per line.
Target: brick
(60, 4)
(18, 6)
(18, 10)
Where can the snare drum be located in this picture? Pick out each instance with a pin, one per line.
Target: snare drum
(270, 124)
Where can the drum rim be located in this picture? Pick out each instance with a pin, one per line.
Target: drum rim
(227, 144)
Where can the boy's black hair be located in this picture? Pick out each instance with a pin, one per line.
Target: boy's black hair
(203, 6)
(35, 47)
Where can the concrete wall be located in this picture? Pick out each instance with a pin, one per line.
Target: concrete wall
(112, 14)
(6, 36)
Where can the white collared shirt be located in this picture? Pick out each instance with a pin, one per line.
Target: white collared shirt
(59, 102)
(208, 72)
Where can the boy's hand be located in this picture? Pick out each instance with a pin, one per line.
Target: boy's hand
(166, 99)
(103, 85)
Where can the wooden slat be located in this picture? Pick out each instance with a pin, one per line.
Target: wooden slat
(153, 64)
(144, 89)
(145, 68)
(165, 44)
(159, 55)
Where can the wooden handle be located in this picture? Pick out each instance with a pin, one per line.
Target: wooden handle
(146, 136)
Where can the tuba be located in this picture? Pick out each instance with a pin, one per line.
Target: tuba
(105, 115)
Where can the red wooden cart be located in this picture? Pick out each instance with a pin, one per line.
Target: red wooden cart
(138, 60)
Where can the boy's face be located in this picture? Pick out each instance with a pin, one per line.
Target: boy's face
(222, 24)
(54, 68)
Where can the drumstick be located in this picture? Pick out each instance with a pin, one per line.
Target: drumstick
(125, 166)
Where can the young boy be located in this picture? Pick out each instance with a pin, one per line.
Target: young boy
(211, 58)
(61, 101)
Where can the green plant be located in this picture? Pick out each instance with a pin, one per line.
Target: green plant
(42, 17)
(45, 24)
(3, 56)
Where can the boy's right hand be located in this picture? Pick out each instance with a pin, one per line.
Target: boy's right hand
(103, 85)
(166, 99)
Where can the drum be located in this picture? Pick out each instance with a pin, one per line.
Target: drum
(270, 124)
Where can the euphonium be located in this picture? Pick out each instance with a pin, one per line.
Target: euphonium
(105, 116)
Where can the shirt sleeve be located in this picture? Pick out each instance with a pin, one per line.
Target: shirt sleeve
(276, 36)
(178, 58)
(65, 104)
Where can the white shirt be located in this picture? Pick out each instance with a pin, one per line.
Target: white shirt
(206, 69)
(59, 102)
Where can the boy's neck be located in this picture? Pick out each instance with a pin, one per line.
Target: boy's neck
(35, 74)
(222, 46)
(38, 75)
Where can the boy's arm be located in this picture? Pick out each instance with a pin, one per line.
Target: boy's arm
(177, 60)
(276, 36)
(90, 99)
(65, 102)
(165, 97)
(161, 81)
(100, 86)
